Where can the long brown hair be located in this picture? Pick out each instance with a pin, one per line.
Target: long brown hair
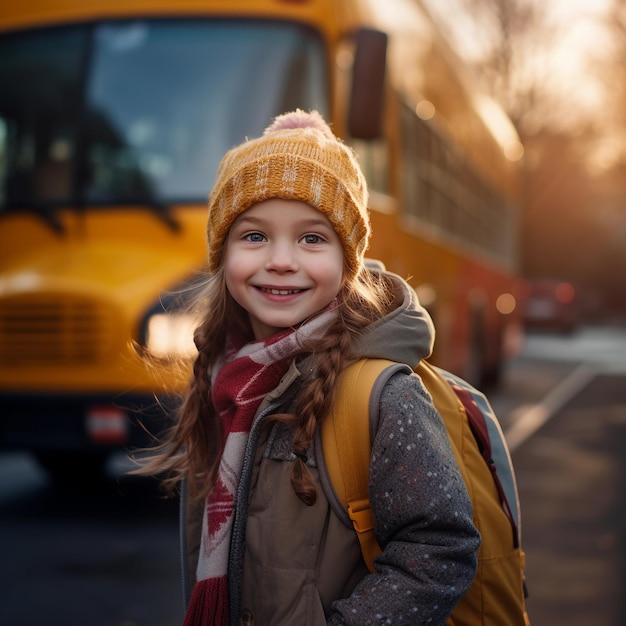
(192, 448)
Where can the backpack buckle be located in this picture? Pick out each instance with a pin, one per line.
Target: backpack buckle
(360, 513)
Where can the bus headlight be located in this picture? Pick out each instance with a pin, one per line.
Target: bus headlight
(170, 335)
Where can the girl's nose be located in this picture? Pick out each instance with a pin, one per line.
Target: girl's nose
(281, 258)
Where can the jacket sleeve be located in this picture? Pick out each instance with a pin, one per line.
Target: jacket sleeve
(423, 518)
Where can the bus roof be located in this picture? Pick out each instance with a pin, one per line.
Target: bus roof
(32, 13)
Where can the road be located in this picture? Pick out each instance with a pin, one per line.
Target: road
(569, 450)
(102, 555)
(107, 555)
(551, 370)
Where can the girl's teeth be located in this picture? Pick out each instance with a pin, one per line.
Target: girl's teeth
(280, 292)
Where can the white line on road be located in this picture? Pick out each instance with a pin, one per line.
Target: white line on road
(527, 420)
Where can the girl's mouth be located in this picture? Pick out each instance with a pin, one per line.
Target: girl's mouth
(280, 292)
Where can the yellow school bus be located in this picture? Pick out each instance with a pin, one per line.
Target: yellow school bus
(113, 117)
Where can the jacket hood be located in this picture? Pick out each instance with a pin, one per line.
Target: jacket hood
(405, 335)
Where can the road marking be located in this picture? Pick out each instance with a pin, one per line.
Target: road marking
(527, 420)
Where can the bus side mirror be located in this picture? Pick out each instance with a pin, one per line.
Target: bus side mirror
(365, 113)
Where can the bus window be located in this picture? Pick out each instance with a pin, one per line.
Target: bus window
(442, 189)
(162, 132)
(147, 108)
(40, 78)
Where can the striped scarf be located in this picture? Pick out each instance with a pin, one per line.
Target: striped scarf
(240, 382)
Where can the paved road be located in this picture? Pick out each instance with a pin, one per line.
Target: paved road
(570, 460)
(102, 555)
(571, 479)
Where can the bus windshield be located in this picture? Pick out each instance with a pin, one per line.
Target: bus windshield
(141, 112)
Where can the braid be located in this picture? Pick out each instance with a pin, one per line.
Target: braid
(201, 429)
(316, 399)
(364, 301)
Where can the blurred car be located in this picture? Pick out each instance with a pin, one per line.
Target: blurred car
(549, 304)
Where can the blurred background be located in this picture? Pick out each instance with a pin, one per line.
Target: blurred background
(493, 137)
(557, 69)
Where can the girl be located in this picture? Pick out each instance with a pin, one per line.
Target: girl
(288, 304)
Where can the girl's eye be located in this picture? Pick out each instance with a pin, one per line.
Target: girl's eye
(312, 239)
(254, 237)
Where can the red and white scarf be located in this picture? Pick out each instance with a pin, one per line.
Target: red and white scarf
(240, 382)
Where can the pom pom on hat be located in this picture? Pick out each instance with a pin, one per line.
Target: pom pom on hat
(299, 119)
(297, 158)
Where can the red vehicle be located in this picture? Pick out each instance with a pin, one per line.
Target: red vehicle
(550, 304)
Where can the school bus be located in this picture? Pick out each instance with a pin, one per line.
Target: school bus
(113, 117)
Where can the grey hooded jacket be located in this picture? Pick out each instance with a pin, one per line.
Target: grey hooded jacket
(292, 564)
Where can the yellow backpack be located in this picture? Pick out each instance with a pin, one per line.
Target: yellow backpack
(497, 595)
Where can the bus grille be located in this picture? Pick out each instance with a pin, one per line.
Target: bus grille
(67, 330)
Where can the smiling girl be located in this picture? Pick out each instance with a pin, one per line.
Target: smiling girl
(288, 304)
(283, 263)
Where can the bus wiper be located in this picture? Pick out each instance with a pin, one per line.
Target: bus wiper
(164, 212)
(50, 217)
(46, 213)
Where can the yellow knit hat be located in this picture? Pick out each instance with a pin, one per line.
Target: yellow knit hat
(297, 158)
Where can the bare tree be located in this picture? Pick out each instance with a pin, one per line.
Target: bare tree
(609, 65)
(511, 45)
(511, 67)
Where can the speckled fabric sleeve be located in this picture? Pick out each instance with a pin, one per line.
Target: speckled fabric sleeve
(423, 518)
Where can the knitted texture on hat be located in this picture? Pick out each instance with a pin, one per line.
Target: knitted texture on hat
(297, 158)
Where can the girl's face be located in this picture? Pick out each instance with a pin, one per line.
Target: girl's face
(283, 262)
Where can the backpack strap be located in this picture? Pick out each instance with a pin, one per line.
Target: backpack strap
(492, 444)
(347, 435)
(347, 445)
(478, 426)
